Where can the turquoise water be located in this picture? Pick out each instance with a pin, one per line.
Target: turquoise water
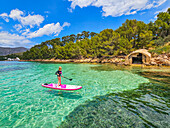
(147, 106)
(25, 103)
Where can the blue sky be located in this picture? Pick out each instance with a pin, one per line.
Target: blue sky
(29, 22)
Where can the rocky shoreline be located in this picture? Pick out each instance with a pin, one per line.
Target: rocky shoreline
(161, 60)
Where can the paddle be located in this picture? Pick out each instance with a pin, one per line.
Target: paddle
(67, 78)
(64, 77)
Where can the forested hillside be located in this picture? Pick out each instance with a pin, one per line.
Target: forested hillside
(6, 51)
(130, 36)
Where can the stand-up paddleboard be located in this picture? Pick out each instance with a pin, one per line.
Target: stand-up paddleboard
(62, 87)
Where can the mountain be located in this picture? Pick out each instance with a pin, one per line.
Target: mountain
(6, 50)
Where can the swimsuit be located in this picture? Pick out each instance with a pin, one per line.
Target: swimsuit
(59, 72)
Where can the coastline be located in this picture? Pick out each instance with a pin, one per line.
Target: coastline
(120, 60)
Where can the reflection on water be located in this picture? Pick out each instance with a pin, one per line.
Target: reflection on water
(146, 106)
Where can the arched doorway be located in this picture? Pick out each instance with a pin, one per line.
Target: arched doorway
(140, 56)
(138, 59)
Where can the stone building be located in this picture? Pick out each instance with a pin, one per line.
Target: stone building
(141, 56)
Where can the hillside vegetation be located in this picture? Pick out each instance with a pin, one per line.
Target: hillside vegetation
(161, 49)
(7, 51)
(130, 36)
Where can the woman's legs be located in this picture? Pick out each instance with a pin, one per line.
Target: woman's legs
(59, 81)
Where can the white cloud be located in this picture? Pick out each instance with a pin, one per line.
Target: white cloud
(157, 12)
(156, 17)
(16, 14)
(142, 13)
(30, 20)
(81, 3)
(66, 24)
(118, 7)
(25, 32)
(160, 2)
(48, 29)
(17, 27)
(4, 16)
(70, 10)
(13, 40)
(163, 10)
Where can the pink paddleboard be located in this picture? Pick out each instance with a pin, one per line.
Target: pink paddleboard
(62, 87)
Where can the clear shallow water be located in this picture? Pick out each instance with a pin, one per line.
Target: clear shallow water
(143, 107)
(24, 103)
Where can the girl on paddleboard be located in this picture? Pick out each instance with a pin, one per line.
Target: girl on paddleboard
(59, 74)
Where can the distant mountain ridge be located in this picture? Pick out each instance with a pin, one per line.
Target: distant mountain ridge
(6, 50)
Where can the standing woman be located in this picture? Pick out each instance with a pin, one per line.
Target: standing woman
(59, 74)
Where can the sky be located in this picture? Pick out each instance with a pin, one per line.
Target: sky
(25, 23)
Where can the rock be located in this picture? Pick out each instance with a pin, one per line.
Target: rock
(147, 64)
(166, 62)
(95, 60)
(104, 61)
(127, 64)
(165, 57)
(160, 65)
(121, 63)
(153, 63)
(116, 60)
(158, 58)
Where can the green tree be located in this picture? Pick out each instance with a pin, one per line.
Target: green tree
(85, 34)
(163, 23)
(92, 34)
